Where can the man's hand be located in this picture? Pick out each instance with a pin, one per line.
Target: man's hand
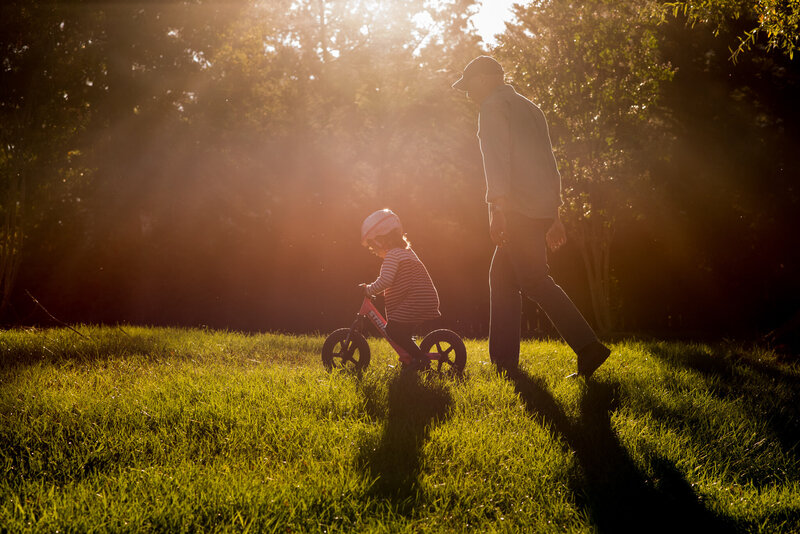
(497, 227)
(556, 235)
(364, 289)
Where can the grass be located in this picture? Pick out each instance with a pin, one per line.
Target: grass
(172, 430)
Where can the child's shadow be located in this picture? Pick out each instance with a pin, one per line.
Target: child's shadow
(412, 406)
(617, 496)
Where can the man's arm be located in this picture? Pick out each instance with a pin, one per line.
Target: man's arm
(556, 236)
(497, 224)
(495, 139)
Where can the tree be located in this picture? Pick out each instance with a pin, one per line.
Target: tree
(205, 133)
(365, 121)
(77, 82)
(44, 84)
(595, 70)
(778, 21)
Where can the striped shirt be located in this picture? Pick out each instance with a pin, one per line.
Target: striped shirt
(407, 287)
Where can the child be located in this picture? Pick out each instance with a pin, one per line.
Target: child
(410, 295)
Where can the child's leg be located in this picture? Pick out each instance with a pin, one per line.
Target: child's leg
(400, 333)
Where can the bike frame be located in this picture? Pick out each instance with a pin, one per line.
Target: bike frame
(369, 312)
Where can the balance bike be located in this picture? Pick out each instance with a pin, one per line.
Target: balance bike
(347, 347)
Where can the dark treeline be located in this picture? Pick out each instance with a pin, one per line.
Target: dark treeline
(209, 163)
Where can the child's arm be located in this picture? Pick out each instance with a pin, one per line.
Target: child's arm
(386, 278)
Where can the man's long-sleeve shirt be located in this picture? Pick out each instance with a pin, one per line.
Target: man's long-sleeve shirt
(518, 162)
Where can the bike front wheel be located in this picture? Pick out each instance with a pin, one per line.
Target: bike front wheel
(446, 350)
(339, 352)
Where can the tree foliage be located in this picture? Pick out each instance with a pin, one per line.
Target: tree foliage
(776, 23)
(222, 136)
(209, 162)
(595, 70)
(44, 106)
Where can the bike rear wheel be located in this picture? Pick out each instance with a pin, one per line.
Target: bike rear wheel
(448, 349)
(338, 352)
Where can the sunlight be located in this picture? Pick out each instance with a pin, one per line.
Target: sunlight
(491, 18)
(423, 19)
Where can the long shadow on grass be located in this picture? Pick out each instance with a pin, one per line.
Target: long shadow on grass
(413, 405)
(767, 389)
(617, 496)
(58, 346)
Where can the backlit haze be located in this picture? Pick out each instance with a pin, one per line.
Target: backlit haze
(490, 19)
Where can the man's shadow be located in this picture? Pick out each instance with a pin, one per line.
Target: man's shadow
(413, 405)
(616, 495)
(732, 376)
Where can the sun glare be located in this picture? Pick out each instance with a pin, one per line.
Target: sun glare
(491, 18)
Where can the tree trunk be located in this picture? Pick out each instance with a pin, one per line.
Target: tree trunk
(594, 237)
(323, 31)
(11, 238)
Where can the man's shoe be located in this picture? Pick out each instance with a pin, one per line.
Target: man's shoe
(592, 357)
(510, 371)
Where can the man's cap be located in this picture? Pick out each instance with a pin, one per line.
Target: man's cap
(478, 66)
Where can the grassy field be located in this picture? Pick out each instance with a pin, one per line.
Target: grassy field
(148, 429)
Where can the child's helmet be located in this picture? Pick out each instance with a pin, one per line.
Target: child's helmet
(379, 223)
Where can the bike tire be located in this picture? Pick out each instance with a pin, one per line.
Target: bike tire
(451, 354)
(336, 355)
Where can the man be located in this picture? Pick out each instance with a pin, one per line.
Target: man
(523, 190)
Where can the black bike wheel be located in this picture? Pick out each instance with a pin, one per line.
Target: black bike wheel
(338, 353)
(451, 354)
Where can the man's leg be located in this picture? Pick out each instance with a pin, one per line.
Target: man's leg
(505, 310)
(527, 252)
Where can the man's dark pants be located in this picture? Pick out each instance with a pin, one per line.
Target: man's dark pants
(519, 268)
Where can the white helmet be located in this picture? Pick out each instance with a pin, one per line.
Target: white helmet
(379, 223)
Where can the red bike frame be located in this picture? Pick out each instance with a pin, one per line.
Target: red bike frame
(369, 311)
(439, 346)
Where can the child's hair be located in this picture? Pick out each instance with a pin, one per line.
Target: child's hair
(394, 239)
